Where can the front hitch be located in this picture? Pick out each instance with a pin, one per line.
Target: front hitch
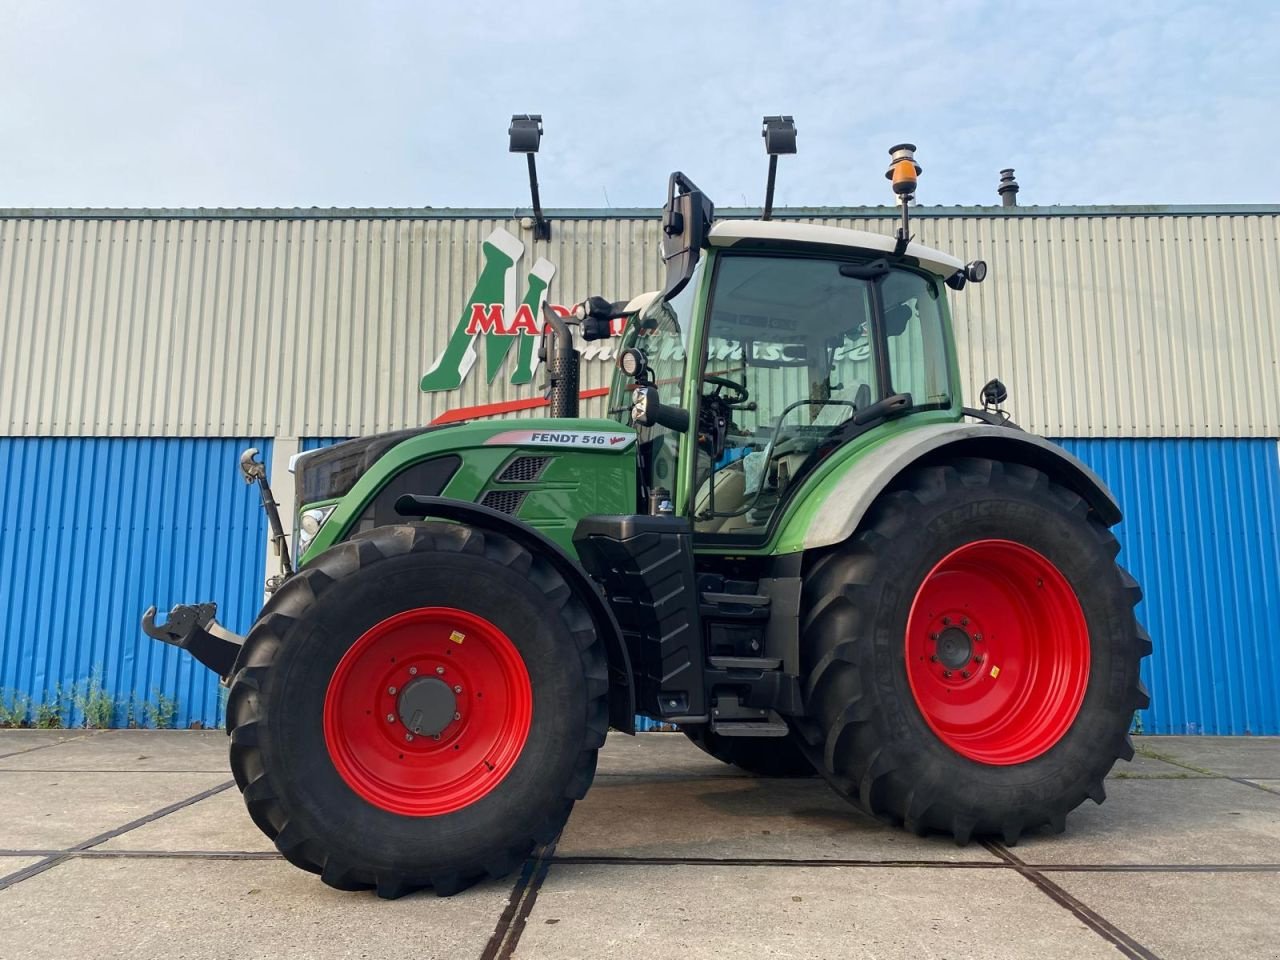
(193, 628)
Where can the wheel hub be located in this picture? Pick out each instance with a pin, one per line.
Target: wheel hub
(997, 652)
(428, 711)
(427, 705)
(955, 648)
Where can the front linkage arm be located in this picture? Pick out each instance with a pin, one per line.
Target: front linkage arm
(255, 471)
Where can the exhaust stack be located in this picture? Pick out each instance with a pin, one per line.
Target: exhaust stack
(1008, 188)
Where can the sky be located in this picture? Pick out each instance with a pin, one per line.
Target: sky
(406, 104)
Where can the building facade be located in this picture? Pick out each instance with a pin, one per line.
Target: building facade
(141, 351)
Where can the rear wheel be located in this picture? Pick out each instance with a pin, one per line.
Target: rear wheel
(417, 708)
(972, 654)
(763, 756)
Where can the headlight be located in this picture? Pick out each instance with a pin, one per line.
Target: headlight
(310, 522)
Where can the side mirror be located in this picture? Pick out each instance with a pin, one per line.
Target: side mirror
(686, 220)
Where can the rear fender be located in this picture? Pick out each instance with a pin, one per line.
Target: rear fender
(868, 476)
(622, 698)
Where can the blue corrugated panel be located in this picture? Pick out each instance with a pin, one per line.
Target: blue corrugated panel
(316, 443)
(94, 530)
(1201, 533)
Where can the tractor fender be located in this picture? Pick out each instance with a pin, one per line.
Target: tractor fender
(622, 696)
(871, 474)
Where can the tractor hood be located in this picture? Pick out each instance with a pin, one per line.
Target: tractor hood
(544, 471)
(331, 472)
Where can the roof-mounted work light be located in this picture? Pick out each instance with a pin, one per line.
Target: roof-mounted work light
(904, 174)
(526, 135)
(779, 137)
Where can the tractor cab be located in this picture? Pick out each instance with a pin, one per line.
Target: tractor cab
(773, 348)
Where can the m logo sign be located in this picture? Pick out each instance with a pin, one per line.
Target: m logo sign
(493, 313)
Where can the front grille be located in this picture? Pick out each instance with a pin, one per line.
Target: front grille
(504, 501)
(524, 470)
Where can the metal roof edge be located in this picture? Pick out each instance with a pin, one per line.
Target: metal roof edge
(625, 213)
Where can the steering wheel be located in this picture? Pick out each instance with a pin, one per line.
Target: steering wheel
(740, 394)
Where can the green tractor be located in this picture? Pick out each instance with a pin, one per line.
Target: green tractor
(789, 540)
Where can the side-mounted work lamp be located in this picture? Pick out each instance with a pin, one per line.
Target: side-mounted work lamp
(526, 135)
(779, 137)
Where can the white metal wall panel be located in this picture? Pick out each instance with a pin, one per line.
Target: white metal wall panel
(292, 324)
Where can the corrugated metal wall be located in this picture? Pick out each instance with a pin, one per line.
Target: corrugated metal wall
(1144, 337)
(1201, 533)
(293, 324)
(92, 531)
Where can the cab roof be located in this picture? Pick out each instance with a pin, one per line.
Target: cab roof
(729, 233)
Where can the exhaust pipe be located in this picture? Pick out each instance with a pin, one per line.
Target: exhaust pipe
(1008, 188)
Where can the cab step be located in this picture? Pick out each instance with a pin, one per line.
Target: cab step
(749, 728)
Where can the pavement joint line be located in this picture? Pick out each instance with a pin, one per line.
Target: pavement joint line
(1099, 924)
(505, 936)
(607, 860)
(1257, 786)
(571, 860)
(38, 868)
(1164, 758)
(45, 746)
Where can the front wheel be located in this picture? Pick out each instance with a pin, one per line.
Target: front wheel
(418, 707)
(972, 654)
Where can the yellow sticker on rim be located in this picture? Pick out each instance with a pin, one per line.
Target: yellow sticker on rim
(457, 636)
(995, 672)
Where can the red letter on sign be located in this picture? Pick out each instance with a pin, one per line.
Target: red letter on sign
(486, 318)
(524, 322)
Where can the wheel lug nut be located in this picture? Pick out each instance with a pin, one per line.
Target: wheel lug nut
(435, 736)
(977, 659)
(964, 621)
(946, 673)
(457, 688)
(946, 621)
(413, 671)
(408, 737)
(439, 669)
(391, 690)
(933, 658)
(978, 637)
(965, 674)
(391, 718)
(457, 716)
(935, 637)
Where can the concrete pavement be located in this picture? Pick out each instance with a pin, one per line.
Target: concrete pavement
(136, 844)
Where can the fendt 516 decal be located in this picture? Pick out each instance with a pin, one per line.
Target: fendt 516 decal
(590, 439)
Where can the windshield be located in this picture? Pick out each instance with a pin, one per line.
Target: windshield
(799, 337)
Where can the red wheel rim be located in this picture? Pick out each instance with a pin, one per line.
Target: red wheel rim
(997, 652)
(422, 658)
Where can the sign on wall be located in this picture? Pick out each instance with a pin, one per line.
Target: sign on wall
(493, 315)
